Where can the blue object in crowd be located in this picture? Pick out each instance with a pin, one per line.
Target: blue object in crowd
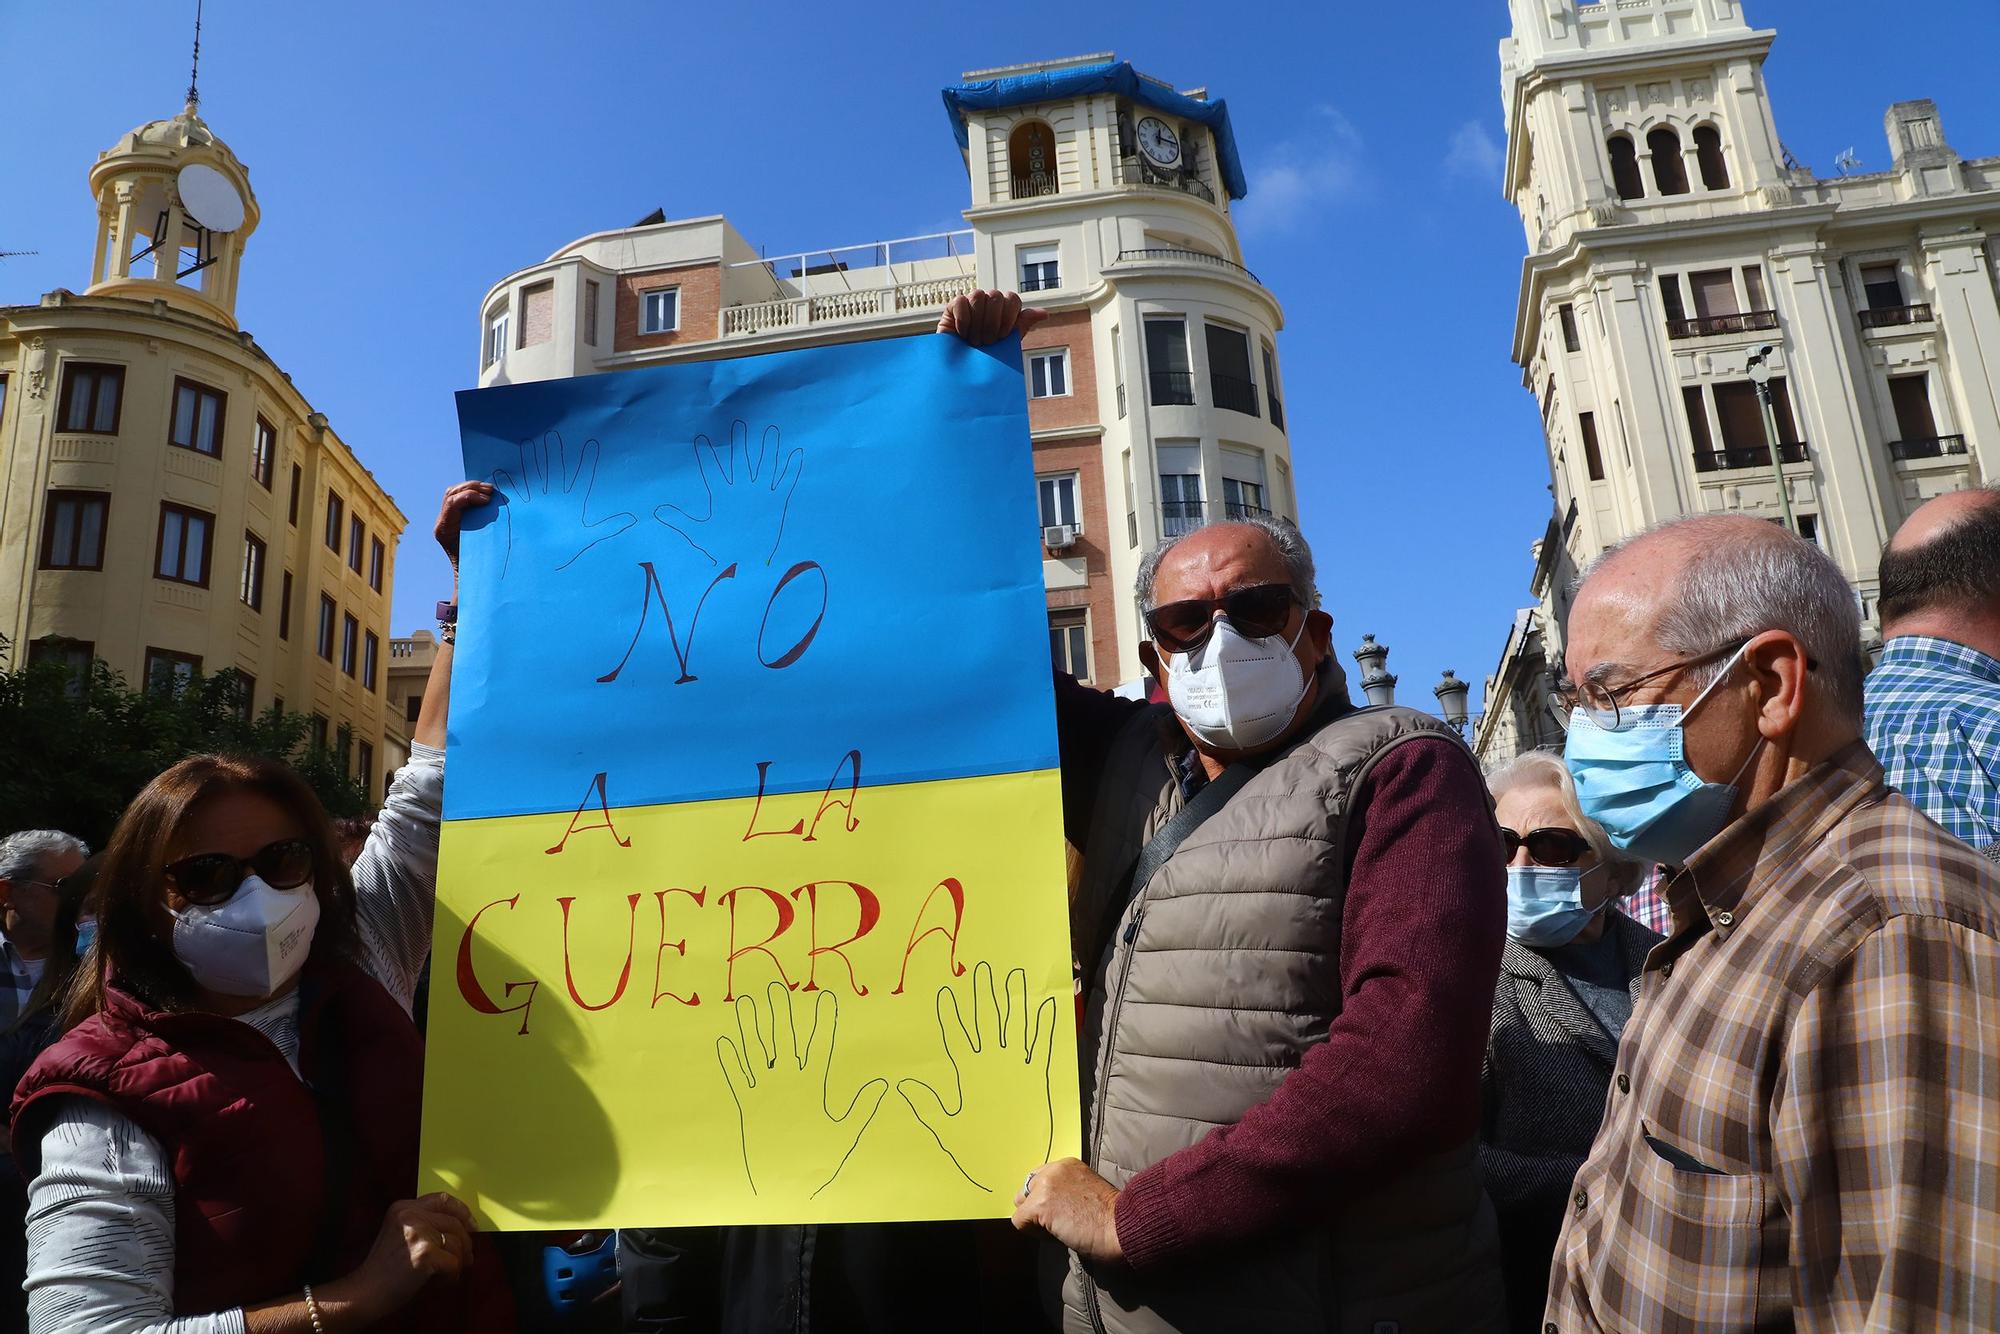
(575, 1277)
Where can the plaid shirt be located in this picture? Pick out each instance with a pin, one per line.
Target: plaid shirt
(1934, 721)
(1804, 1126)
(1647, 905)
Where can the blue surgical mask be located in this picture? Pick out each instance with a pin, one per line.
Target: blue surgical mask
(1545, 905)
(1637, 783)
(86, 931)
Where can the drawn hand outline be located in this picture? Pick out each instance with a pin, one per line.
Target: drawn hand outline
(535, 481)
(731, 494)
(770, 1079)
(990, 1080)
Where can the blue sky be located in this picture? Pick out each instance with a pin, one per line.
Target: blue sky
(407, 156)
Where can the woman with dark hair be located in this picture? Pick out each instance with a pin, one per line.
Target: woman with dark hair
(223, 1137)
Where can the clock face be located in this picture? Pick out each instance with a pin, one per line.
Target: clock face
(1158, 141)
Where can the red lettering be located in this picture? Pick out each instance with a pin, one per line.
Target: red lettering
(871, 913)
(796, 651)
(752, 831)
(957, 891)
(827, 803)
(785, 916)
(604, 805)
(624, 976)
(679, 947)
(468, 981)
(652, 591)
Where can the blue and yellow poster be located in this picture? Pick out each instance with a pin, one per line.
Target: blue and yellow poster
(751, 903)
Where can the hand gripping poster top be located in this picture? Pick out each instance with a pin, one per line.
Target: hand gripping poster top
(751, 901)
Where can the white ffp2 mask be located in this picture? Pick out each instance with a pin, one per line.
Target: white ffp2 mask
(253, 943)
(1235, 692)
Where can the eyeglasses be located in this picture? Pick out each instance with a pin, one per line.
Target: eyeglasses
(1548, 847)
(1183, 627)
(1600, 701)
(211, 877)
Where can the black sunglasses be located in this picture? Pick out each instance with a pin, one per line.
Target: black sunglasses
(1182, 627)
(1548, 847)
(211, 877)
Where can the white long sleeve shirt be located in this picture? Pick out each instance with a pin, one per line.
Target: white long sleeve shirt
(101, 1210)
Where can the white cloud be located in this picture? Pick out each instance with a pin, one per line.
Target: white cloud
(1473, 154)
(1303, 176)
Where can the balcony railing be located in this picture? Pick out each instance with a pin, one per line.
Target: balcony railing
(1174, 254)
(1121, 398)
(1178, 518)
(1747, 456)
(1703, 326)
(840, 307)
(1041, 284)
(1035, 185)
(1237, 395)
(1888, 316)
(1238, 510)
(1929, 447)
(1170, 388)
(1277, 412)
(1137, 170)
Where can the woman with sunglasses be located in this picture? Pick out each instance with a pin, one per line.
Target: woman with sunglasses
(1566, 986)
(224, 1137)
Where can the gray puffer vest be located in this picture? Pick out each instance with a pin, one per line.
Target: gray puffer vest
(1212, 986)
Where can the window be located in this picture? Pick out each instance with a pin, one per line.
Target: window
(1169, 377)
(1593, 456)
(1808, 527)
(538, 313)
(356, 530)
(3, 396)
(413, 706)
(1911, 397)
(1696, 408)
(73, 655)
(1271, 387)
(496, 339)
(334, 512)
(1039, 268)
(1058, 499)
(660, 310)
(263, 449)
(1625, 178)
(1031, 160)
(253, 572)
(1118, 368)
(197, 418)
(1754, 290)
(590, 290)
(371, 651)
(1180, 503)
(1048, 374)
(298, 479)
(91, 397)
(1670, 298)
(169, 673)
(324, 647)
(246, 694)
(285, 606)
(1883, 284)
(1567, 314)
(1714, 293)
(1242, 500)
(1069, 642)
(1670, 175)
(182, 556)
(73, 530)
(350, 636)
(376, 553)
(366, 764)
(318, 733)
(1229, 377)
(1708, 153)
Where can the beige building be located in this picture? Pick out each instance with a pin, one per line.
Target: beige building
(1708, 326)
(1154, 395)
(169, 500)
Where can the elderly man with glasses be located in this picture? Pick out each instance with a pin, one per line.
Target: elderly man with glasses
(31, 862)
(1805, 1118)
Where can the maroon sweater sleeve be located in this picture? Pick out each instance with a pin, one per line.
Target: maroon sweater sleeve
(1397, 1078)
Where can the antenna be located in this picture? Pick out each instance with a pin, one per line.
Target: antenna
(1847, 161)
(194, 73)
(9, 254)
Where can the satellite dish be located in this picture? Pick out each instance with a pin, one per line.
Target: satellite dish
(209, 198)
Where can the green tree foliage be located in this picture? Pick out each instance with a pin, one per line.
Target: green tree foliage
(75, 749)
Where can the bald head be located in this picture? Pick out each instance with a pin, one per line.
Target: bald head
(1941, 571)
(1248, 551)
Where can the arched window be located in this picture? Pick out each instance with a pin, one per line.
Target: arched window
(1708, 151)
(1625, 168)
(1031, 160)
(1670, 175)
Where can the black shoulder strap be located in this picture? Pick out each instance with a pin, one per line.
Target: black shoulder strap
(329, 1092)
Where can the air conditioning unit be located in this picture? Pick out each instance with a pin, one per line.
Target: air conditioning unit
(1059, 536)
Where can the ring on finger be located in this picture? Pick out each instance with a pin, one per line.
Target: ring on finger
(1028, 1184)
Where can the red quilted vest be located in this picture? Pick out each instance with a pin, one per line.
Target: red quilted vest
(246, 1142)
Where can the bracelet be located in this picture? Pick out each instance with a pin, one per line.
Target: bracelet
(447, 632)
(312, 1311)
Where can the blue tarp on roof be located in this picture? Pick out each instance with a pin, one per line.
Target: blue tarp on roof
(1116, 76)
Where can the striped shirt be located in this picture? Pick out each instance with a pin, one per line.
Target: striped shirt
(1804, 1126)
(1934, 722)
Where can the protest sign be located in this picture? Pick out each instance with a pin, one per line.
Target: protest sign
(751, 902)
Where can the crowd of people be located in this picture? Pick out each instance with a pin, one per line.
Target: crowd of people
(1372, 1041)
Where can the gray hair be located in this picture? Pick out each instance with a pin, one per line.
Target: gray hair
(1730, 590)
(1284, 535)
(1543, 769)
(23, 855)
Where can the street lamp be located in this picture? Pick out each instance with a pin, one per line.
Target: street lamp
(1451, 693)
(1759, 369)
(1376, 683)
